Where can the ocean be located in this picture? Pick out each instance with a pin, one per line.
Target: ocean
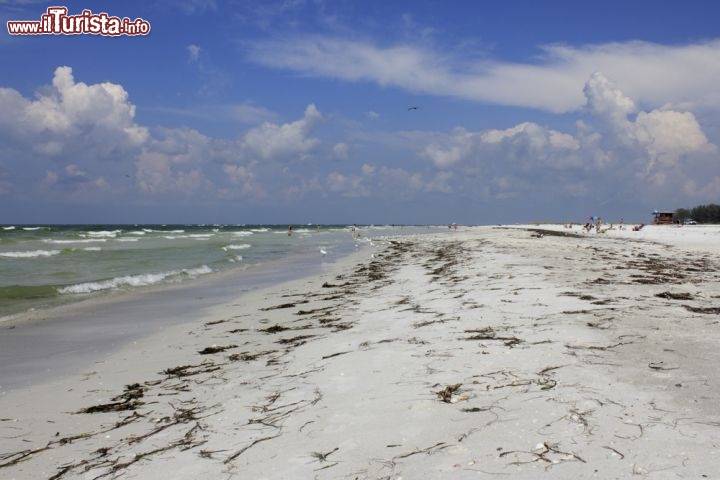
(43, 266)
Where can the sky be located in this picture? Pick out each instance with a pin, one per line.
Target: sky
(369, 112)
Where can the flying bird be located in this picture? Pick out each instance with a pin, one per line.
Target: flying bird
(413, 108)
(323, 251)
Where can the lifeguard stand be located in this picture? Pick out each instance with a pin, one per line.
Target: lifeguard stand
(660, 218)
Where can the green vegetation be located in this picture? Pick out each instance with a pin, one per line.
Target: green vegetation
(701, 214)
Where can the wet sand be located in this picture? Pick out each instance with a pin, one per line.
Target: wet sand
(473, 354)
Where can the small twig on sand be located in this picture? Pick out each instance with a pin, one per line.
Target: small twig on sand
(248, 447)
(428, 450)
(323, 456)
(612, 449)
(540, 455)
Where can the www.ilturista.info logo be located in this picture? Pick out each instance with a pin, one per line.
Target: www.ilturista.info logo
(57, 22)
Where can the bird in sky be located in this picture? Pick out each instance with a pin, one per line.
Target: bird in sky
(413, 108)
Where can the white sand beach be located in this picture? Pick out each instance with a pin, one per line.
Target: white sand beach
(514, 352)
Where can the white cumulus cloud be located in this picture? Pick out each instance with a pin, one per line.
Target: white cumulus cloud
(70, 114)
(340, 151)
(271, 140)
(615, 142)
(664, 136)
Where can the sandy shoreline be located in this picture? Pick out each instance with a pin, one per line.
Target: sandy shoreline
(50, 343)
(472, 354)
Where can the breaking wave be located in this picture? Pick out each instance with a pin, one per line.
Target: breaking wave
(141, 280)
(242, 246)
(32, 254)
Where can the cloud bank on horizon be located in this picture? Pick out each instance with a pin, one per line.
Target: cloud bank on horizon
(652, 73)
(581, 129)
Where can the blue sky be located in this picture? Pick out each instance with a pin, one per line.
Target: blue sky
(297, 112)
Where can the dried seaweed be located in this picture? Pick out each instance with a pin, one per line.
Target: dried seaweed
(247, 356)
(703, 310)
(674, 296)
(215, 349)
(128, 400)
(283, 305)
(190, 370)
(446, 393)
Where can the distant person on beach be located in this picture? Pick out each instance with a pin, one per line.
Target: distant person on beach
(290, 231)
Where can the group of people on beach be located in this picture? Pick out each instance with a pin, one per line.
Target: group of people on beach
(596, 223)
(592, 223)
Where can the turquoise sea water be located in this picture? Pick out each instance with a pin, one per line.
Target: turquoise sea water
(48, 265)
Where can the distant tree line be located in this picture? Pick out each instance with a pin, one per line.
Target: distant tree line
(701, 214)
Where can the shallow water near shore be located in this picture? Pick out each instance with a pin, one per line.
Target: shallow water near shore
(50, 265)
(43, 344)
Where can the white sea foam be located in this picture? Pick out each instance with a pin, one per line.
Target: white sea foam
(92, 249)
(139, 232)
(9, 228)
(30, 254)
(259, 230)
(85, 240)
(103, 234)
(134, 280)
(194, 236)
(194, 272)
(236, 247)
(242, 234)
(125, 239)
(31, 229)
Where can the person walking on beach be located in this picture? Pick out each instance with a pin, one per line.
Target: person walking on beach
(290, 231)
